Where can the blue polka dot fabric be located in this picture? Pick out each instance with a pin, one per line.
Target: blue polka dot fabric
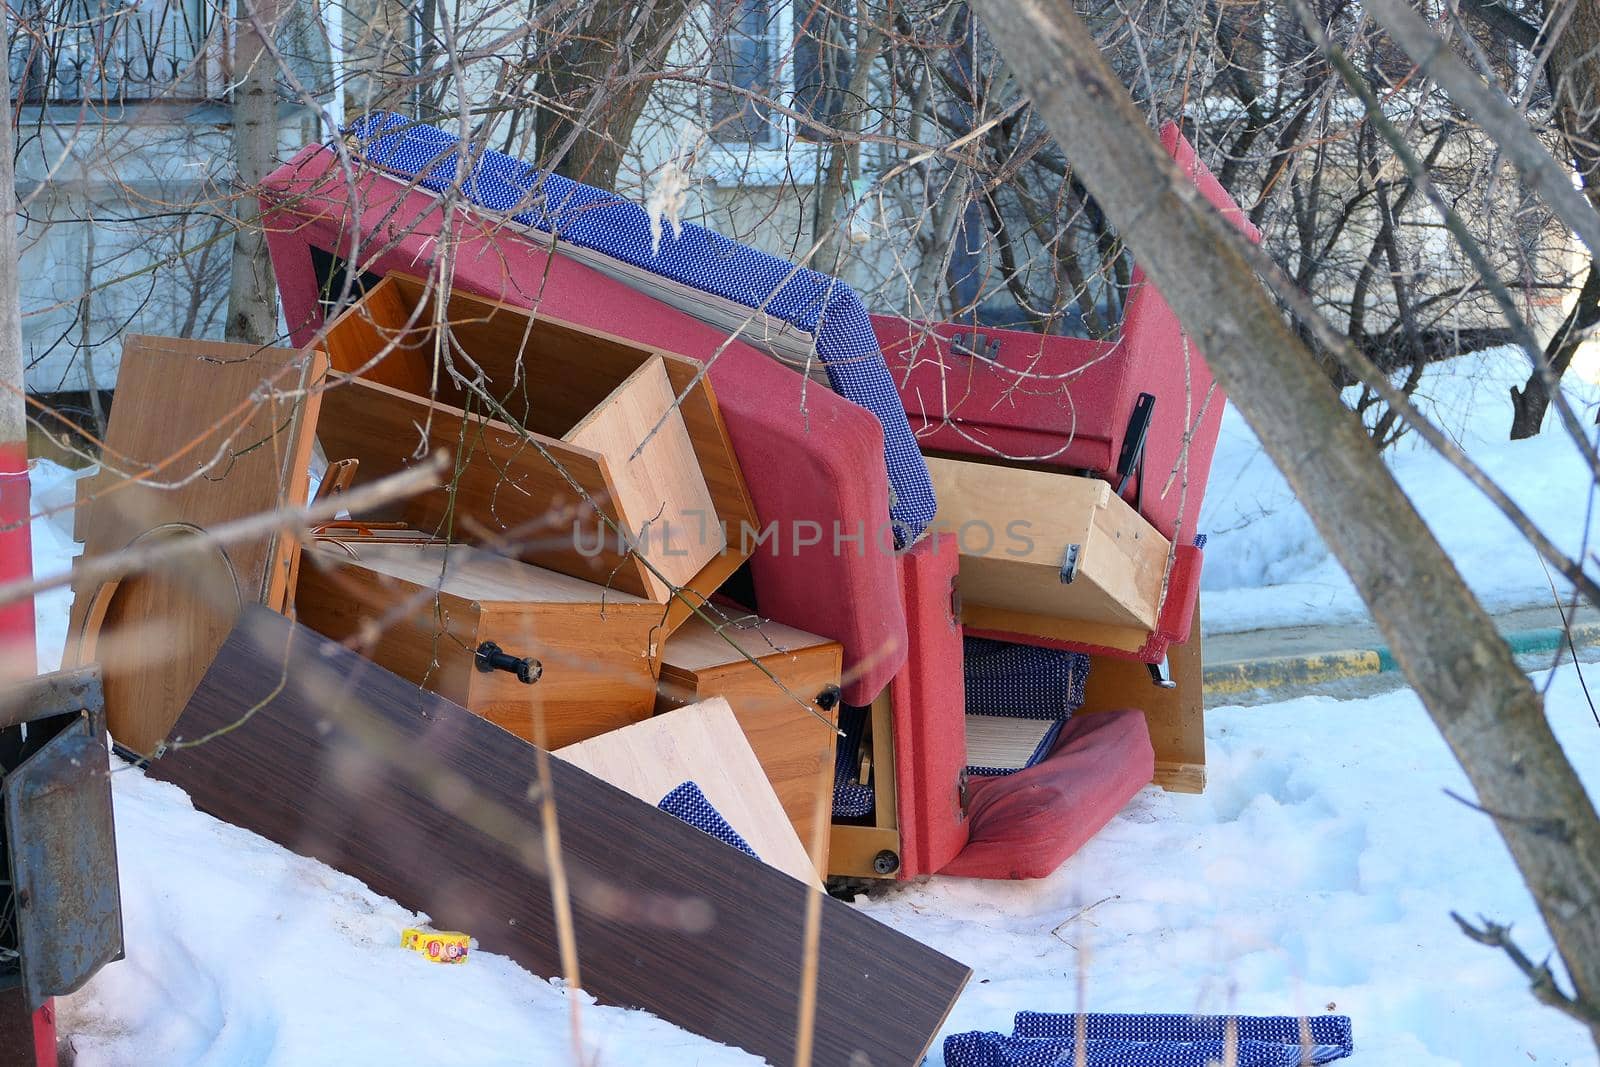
(822, 306)
(1012, 681)
(1022, 680)
(851, 799)
(1051, 1040)
(688, 804)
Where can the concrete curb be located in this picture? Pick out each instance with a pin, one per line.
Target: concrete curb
(1277, 672)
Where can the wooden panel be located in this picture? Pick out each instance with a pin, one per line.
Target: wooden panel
(701, 743)
(660, 492)
(371, 338)
(1016, 526)
(1177, 716)
(794, 744)
(854, 850)
(191, 444)
(342, 760)
(503, 483)
(422, 619)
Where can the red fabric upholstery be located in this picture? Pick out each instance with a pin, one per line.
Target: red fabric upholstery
(929, 712)
(1027, 824)
(807, 460)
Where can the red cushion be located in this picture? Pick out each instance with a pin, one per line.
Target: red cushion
(1025, 825)
(807, 459)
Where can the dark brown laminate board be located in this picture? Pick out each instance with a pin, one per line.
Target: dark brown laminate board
(305, 770)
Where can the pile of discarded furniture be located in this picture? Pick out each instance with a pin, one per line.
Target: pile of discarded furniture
(934, 614)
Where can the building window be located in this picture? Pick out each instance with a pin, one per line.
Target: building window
(795, 53)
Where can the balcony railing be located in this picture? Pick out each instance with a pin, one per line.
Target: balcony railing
(102, 52)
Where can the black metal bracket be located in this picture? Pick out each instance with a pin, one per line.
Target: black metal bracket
(1069, 564)
(1130, 461)
(489, 658)
(1161, 675)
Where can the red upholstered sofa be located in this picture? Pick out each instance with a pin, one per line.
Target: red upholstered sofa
(808, 455)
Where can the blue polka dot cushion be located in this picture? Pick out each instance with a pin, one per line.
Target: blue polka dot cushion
(688, 804)
(1052, 1040)
(692, 255)
(1022, 680)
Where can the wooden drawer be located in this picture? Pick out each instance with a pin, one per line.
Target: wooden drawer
(793, 742)
(1050, 554)
(595, 658)
(574, 421)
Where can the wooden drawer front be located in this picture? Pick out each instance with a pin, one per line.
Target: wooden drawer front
(1062, 551)
(596, 668)
(596, 671)
(794, 744)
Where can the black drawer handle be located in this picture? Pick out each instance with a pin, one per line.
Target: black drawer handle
(489, 657)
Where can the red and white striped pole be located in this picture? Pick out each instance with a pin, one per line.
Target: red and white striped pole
(17, 648)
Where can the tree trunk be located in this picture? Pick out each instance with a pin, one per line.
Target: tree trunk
(1575, 78)
(1485, 707)
(1528, 404)
(588, 90)
(252, 292)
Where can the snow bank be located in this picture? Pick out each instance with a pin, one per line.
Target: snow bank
(54, 489)
(242, 954)
(1266, 566)
(1316, 874)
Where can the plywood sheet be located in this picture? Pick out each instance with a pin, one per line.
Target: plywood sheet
(343, 761)
(201, 433)
(701, 743)
(660, 490)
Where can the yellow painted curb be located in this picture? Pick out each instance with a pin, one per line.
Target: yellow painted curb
(1227, 679)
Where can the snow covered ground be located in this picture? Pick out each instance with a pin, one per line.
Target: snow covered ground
(1266, 566)
(1316, 874)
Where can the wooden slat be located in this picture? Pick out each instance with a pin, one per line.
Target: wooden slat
(702, 743)
(430, 805)
(191, 417)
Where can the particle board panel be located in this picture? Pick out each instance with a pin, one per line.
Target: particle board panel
(1176, 716)
(1016, 528)
(550, 376)
(201, 433)
(794, 742)
(701, 743)
(329, 754)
